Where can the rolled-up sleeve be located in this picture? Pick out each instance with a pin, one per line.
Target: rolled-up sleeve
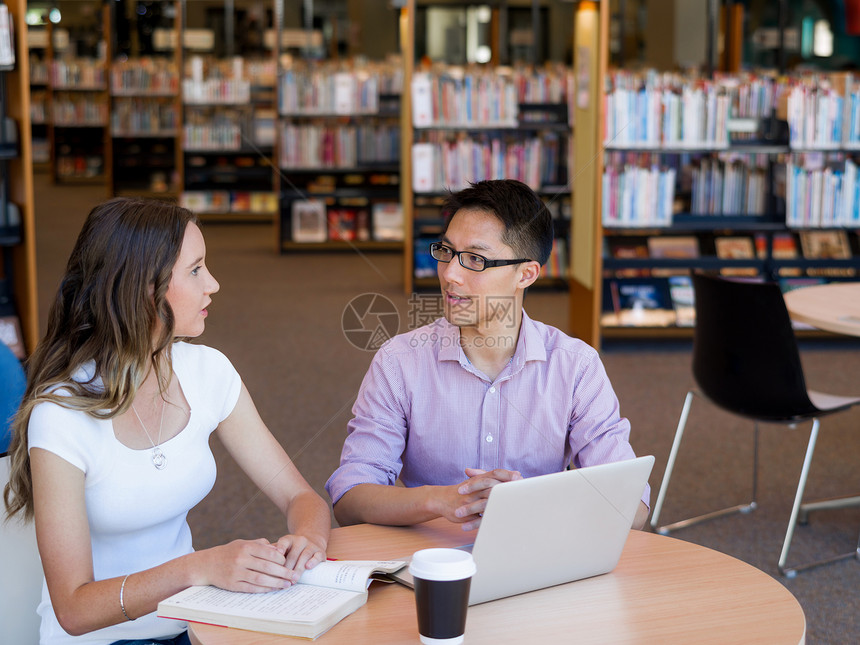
(598, 434)
(377, 434)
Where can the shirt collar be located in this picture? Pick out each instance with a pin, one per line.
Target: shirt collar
(530, 346)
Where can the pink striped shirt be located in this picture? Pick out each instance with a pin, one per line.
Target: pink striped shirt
(424, 413)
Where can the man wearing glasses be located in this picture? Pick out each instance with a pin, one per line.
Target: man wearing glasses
(483, 395)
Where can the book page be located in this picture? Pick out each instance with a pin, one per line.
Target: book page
(351, 575)
(299, 603)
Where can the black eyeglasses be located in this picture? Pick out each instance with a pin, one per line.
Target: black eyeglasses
(468, 260)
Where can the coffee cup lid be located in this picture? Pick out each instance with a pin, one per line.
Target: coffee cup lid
(442, 564)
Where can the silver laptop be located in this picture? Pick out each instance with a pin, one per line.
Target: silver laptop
(556, 528)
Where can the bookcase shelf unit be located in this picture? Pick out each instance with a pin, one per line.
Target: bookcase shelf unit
(79, 107)
(227, 143)
(18, 297)
(519, 117)
(143, 150)
(340, 209)
(337, 152)
(226, 138)
(743, 194)
(145, 107)
(38, 44)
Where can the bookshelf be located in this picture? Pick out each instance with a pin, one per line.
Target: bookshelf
(338, 145)
(739, 174)
(145, 105)
(227, 140)
(18, 298)
(79, 101)
(338, 154)
(39, 44)
(228, 114)
(108, 114)
(477, 121)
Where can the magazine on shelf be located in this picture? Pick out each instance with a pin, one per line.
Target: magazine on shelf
(324, 596)
(638, 302)
(830, 245)
(738, 247)
(388, 221)
(362, 225)
(783, 247)
(206, 201)
(343, 224)
(626, 248)
(309, 220)
(683, 299)
(825, 244)
(673, 247)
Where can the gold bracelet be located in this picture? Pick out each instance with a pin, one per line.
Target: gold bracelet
(121, 603)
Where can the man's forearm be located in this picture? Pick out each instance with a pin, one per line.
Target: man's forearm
(641, 516)
(379, 504)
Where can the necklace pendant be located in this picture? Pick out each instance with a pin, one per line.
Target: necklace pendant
(158, 458)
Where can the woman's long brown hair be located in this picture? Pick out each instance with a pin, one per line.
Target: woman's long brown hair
(106, 314)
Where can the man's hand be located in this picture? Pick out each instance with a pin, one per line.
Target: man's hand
(461, 503)
(465, 502)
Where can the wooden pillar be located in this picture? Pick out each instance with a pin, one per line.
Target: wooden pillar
(407, 50)
(591, 31)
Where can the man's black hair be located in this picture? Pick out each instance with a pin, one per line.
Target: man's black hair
(527, 221)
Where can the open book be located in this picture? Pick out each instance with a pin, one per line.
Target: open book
(323, 596)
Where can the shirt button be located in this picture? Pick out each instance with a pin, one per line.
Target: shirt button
(489, 438)
(493, 390)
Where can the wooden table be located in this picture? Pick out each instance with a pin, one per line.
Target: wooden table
(833, 307)
(663, 590)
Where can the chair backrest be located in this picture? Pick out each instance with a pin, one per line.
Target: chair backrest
(745, 355)
(13, 383)
(20, 576)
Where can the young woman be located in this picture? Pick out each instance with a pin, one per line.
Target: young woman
(110, 447)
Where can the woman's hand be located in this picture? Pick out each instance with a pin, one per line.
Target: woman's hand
(301, 553)
(245, 565)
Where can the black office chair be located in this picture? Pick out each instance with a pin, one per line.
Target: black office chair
(746, 361)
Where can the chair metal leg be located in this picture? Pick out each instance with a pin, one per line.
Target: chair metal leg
(795, 509)
(741, 508)
(799, 510)
(670, 465)
(826, 505)
(791, 572)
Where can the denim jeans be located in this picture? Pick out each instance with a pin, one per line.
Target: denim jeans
(182, 639)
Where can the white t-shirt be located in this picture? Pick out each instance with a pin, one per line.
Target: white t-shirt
(136, 513)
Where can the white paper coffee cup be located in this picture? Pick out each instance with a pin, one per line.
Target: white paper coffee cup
(442, 579)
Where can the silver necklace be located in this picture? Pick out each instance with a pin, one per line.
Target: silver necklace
(159, 460)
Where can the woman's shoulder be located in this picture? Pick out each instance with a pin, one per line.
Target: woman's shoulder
(203, 368)
(63, 430)
(195, 355)
(49, 409)
(207, 377)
